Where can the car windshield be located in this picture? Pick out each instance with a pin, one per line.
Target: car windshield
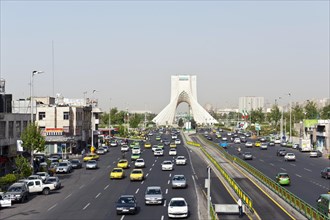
(74, 161)
(178, 203)
(14, 189)
(167, 162)
(139, 160)
(153, 191)
(117, 171)
(136, 171)
(63, 164)
(126, 200)
(178, 178)
(91, 161)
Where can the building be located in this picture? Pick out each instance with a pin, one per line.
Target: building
(11, 127)
(249, 103)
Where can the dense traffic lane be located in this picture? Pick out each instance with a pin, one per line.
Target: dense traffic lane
(304, 172)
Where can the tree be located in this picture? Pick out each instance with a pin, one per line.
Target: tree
(33, 140)
(23, 167)
(135, 120)
(275, 114)
(297, 113)
(180, 123)
(325, 112)
(311, 110)
(193, 123)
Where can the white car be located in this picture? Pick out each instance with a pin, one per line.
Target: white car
(248, 144)
(177, 208)
(91, 164)
(177, 141)
(263, 146)
(136, 150)
(124, 148)
(158, 152)
(139, 162)
(44, 175)
(100, 151)
(180, 160)
(167, 165)
(172, 152)
(4, 201)
(154, 147)
(290, 156)
(237, 141)
(174, 136)
(224, 138)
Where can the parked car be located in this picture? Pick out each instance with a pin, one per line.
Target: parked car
(17, 192)
(54, 180)
(325, 173)
(34, 177)
(91, 164)
(153, 195)
(126, 204)
(179, 181)
(315, 153)
(177, 208)
(37, 186)
(4, 201)
(44, 175)
(76, 163)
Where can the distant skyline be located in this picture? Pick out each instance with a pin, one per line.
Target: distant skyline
(128, 50)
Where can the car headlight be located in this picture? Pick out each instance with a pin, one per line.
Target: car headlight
(18, 196)
(120, 208)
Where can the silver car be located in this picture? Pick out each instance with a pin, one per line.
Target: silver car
(64, 167)
(91, 164)
(153, 195)
(179, 181)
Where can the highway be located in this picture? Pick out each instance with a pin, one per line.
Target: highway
(306, 181)
(90, 194)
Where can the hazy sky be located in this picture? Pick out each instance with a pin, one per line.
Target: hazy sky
(128, 50)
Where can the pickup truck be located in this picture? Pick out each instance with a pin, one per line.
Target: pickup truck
(37, 186)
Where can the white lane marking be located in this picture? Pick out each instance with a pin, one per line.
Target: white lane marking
(118, 158)
(307, 169)
(137, 191)
(166, 191)
(283, 169)
(68, 196)
(155, 160)
(86, 206)
(293, 164)
(52, 207)
(81, 186)
(170, 175)
(114, 162)
(190, 151)
(97, 195)
(271, 164)
(122, 217)
(147, 174)
(150, 169)
(106, 186)
(165, 203)
(109, 166)
(168, 182)
(142, 182)
(153, 164)
(162, 218)
(93, 178)
(298, 175)
(262, 160)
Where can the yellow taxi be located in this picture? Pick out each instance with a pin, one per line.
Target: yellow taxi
(137, 174)
(117, 173)
(91, 157)
(257, 144)
(147, 145)
(172, 145)
(123, 163)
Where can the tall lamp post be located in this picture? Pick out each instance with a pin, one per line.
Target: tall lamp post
(110, 120)
(290, 117)
(35, 72)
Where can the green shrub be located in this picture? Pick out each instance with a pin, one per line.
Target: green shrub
(7, 180)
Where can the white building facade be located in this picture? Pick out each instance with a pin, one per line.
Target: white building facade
(249, 103)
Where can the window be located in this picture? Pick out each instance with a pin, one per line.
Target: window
(18, 129)
(25, 123)
(11, 129)
(42, 115)
(66, 115)
(2, 129)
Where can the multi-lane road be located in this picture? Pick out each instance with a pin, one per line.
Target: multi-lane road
(306, 181)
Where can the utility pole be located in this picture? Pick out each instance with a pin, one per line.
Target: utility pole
(110, 119)
(290, 117)
(208, 186)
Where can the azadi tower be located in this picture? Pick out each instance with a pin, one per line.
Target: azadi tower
(183, 89)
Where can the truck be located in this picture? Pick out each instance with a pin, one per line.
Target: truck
(305, 145)
(37, 186)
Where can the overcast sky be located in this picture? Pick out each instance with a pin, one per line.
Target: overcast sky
(128, 50)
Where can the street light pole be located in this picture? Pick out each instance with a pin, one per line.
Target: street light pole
(290, 117)
(208, 192)
(110, 119)
(35, 72)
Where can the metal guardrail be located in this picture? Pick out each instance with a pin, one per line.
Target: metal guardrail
(304, 208)
(238, 190)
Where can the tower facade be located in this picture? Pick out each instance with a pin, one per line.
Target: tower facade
(183, 89)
